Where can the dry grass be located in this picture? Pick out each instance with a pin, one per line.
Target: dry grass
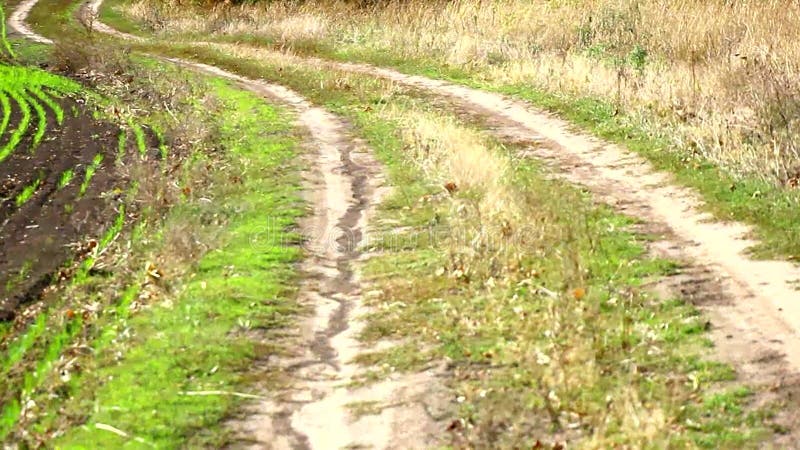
(719, 77)
(531, 301)
(535, 305)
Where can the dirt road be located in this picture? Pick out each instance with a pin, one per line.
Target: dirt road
(342, 186)
(752, 304)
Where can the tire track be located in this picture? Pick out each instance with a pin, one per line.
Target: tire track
(759, 297)
(342, 189)
(752, 304)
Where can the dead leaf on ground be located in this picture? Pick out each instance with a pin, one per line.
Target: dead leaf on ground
(153, 271)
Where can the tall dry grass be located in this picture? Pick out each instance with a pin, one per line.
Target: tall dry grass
(500, 219)
(719, 77)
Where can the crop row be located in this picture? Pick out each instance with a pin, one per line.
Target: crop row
(32, 93)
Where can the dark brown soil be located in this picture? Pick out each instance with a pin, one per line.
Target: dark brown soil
(55, 226)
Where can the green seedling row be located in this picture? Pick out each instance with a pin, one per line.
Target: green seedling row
(28, 192)
(65, 178)
(41, 120)
(65, 335)
(53, 105)
(5, 103)
(17, 135)
(16, 351)
(21, 275)
(141, 143)
(11, 412)
(90, 171)
(163, 150)
(32, 91)
(122, 143)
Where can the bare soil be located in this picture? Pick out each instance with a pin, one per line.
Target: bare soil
(38, 237)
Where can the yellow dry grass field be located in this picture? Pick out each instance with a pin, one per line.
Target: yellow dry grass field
(718, 78)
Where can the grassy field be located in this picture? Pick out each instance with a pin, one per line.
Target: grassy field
(712, 102)
(200, 340)
(145, 333)
(529, 301)
(543, 314)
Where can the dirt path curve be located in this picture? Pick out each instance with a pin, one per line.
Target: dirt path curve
(16, 21)
(344, 186)
(89, 16)
(763, 296)
(753, 305)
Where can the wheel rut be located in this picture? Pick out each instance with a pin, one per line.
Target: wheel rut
(751, 304)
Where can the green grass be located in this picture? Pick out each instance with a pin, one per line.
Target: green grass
(6, 46)
(610, 325)
(241, 285)
(110, 15)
